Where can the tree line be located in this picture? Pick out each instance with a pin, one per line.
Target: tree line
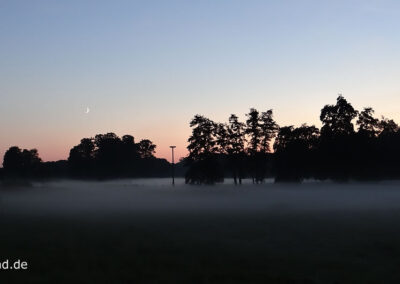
(351, 144)
(101, 157)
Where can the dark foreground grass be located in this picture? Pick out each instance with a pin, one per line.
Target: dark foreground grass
(204, 247)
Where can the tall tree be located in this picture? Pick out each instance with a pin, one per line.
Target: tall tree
(108, 154)
(294, 152)
(368, 125)
(204, 166)
(222, 138)
(146, 148)
(131, 156)
(261, 129)
(387, 126)
(338, 148)
(203, 140)
(236, 147)
(253, 130)
(337, 119)
(387, 164)
(268, 130)
(81, 158)
(21, 162)
(236, 136)
(13, 159)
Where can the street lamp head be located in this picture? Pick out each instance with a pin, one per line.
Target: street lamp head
(172, 147)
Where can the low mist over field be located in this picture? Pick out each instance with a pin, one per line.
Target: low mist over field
(146, 231)
(157, 195)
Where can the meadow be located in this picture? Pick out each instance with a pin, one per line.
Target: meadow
(146, 231)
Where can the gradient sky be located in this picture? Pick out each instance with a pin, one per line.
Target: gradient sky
(146, 67)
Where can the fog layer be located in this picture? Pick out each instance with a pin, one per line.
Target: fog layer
(132, 196)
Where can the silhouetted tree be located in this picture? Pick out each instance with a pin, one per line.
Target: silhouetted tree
(364, 145)
(253, 130)
(202, 142)
(30, 159)
(108, 156)
(202, 160)
(81, 158)
(235, 147)
(254, 133)
(337, 155)
(21, 163)
(261, 129)
(12, 161)
(268, 130)
(387, 158)
(295, 153)
(221, 138)
(146, 148)
(130, 160)
(336, 119)
(387, 126)
(368, 124)
(236, 135)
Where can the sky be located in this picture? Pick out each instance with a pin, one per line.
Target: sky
(145, 68)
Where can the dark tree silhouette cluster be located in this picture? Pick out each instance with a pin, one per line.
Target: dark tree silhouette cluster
(343, 153)
(237, 148)
(24, 163)
(102, 157)
(108, 156)
(351, 144)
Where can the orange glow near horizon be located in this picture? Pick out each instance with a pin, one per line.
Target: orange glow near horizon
(163, 152)
(55, 138)
(55, 147)
(54, 153)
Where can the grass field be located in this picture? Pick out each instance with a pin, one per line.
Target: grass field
(136, 232)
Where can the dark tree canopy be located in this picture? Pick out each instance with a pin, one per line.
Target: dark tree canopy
(260, 129)
(304, 136)
(253, 130)
(387, 127)
(222, 138)
(81, 156)
(236, 139)
(204, 166)
(203, 140)
(295, 152)
(268, 130)
(338, 151)
(337, 119)
(21, 162)
(368, 125)
(238, 150)
(146, 148)
(108, 156)
(234, 147)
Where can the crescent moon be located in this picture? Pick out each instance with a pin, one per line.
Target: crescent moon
(87, 110)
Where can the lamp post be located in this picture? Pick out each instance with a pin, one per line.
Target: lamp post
(173, 165)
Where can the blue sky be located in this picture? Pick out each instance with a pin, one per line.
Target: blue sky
(146, 67)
